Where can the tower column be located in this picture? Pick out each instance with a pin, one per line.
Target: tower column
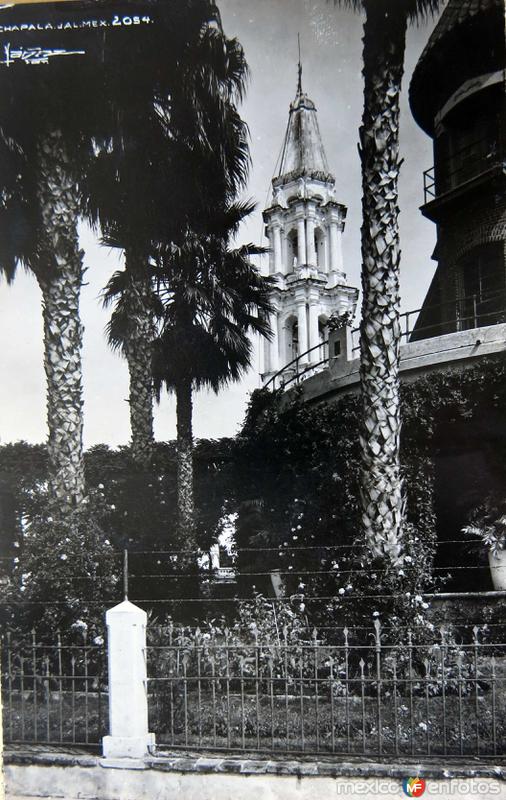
(284, 268)
(311, 249)
(274, 343)
(333, 246)
(314, 333)
(277, 248)
(326, 247)
(336, 257)
(301, 242)
(302, 325)
(269, 234)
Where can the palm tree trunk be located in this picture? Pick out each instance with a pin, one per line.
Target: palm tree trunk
(60, 278)
(139, 355)
(185, 498)
(382, 494)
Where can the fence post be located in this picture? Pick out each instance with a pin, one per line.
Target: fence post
(128, 701)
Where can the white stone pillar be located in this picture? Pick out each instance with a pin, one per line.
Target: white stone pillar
(128, 700)
(314, 333)
(340, 262)
(311, 249)
(266, 356)
(268, 233)
(277, 248)
(301, 242)
(325, 266)
(284, 254)
(214, 556)
(274, 344)
(302, 326)
(334, 247)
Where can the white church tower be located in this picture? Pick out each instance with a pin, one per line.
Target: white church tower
(304, 224)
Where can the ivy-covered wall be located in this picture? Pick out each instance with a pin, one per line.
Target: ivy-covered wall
(297, 476)
(289, 484)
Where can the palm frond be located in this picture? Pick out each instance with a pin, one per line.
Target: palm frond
(415, 10)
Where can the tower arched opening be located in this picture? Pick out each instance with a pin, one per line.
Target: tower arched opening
(320, 249)
(292, 250)
(291, 338)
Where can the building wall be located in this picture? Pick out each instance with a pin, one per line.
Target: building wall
(464, 110)
(476, 224)
(229, 779)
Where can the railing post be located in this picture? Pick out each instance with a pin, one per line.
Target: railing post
(128, 702)
(340, 349)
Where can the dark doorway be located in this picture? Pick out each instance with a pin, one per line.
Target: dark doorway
(468, 468)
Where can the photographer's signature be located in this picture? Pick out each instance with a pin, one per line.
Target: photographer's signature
(34, 55)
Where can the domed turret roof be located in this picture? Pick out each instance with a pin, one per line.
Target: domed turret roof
(456, 13)
(467, 41)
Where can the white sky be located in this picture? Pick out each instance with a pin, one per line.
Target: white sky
(331, 55)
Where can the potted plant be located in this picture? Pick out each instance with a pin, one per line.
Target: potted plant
(488, 522)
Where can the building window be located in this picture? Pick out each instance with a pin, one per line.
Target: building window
(468, 147)
(319, 246)
(483, 272)
(292, 250)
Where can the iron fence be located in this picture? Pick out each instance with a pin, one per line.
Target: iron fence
(54, 691)
(466, 313)
(361, 694)
(301, 367)
(344, 691)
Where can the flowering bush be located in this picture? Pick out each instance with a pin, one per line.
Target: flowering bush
(65, 576)
(488, 522)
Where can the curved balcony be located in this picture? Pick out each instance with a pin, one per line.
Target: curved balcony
(464, 170)
(430, 336)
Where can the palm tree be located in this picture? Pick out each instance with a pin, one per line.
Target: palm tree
(191, 156)
(42, 155)
(131, 330)
(382, 494)
(50, 117)
(213, 299)
(52, 120)
(128, 189)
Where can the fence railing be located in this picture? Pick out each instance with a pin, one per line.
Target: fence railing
(375, 692)
(468, 163)
(466, 313)
(54, 691)
(358, 695)
(301, 367)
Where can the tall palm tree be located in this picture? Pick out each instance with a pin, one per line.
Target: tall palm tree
(42, 156)
(131, 330)
(50, 115)
(213, 299)
(382, 495)
(128, 189)
(53, 117)
(191, 156)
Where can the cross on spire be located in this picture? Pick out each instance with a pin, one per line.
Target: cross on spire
(299, 83)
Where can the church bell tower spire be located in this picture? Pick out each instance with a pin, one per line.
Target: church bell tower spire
(304, 225)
